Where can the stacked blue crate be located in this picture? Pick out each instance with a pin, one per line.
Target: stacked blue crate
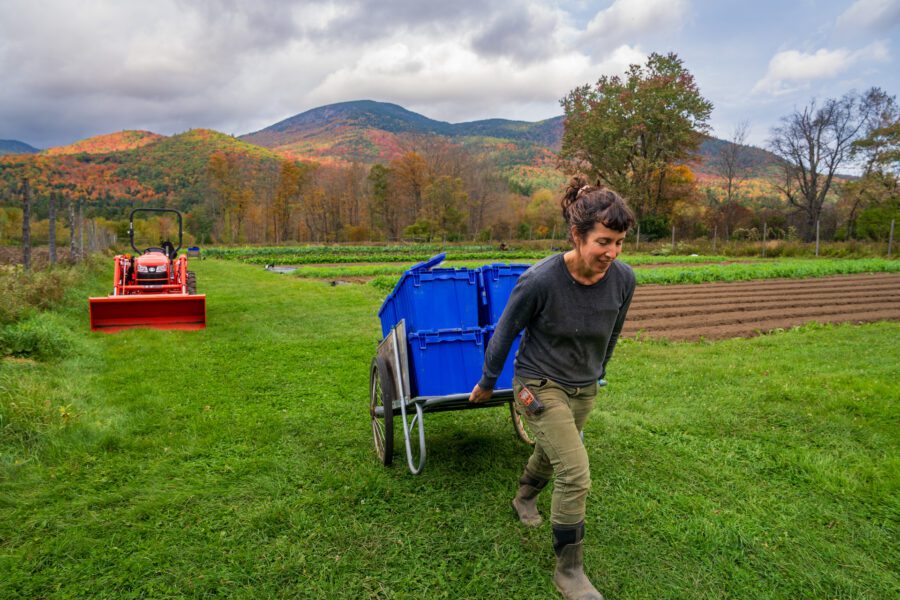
(445, 340)
(450, 315)
(432, 298)
(496, 283)
(504, 381)
(446, 361)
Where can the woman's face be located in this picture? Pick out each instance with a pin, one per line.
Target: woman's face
(599, 248)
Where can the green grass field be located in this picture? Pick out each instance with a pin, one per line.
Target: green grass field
(238, 462)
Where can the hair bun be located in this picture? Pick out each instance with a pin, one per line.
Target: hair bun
(576, 184)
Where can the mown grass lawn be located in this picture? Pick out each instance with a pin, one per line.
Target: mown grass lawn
(237, 461)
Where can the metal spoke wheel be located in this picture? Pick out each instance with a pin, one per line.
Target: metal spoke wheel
(382, 394)
(520, 425)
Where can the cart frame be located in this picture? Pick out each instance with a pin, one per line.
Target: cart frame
(389, 396)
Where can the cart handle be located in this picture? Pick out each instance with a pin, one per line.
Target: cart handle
(431, 262)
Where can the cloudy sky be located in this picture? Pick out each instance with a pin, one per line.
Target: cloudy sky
(70, 70)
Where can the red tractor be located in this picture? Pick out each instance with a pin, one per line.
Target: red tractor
(151, 289)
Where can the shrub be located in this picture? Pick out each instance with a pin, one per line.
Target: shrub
(41, 337)
(22, 292)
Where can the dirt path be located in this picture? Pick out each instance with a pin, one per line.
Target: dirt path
(743, 309)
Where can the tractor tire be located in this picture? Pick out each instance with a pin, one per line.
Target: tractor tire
(191, 283)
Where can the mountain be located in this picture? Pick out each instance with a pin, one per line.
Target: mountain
(116, 171)
(360, 114)
(16, 147)
(524, 153)
(758, 162)
(368, 131)
(547, 132)
(111, 142)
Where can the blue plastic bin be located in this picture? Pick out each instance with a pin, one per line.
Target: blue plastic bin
(446, 361)
(504, 382)
(496, 283)
(432, 299)
(388, 315)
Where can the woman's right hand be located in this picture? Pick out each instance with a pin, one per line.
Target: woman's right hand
(480, 394)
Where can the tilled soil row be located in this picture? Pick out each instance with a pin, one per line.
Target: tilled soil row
(743, 309)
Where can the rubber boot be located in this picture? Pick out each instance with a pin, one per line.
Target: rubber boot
(525, 502)
(569, 577)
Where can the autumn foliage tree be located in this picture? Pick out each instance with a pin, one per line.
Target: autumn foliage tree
(291, 181)
(544, 214)
(446, 206)
(409, 177)
(873, 200)
(628, 131)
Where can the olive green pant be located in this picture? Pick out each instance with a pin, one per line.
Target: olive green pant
(559, 450)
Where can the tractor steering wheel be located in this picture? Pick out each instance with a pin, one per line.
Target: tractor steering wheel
(154, 249)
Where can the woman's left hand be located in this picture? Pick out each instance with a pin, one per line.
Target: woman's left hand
(479, 394)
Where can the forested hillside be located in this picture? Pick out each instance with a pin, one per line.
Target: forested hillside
(104, 144)
(350, 171)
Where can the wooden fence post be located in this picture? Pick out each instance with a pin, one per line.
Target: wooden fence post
(81, 229)
(72, 256)
(817, 237)
(891, 238)
(51, 224)
(26, 224)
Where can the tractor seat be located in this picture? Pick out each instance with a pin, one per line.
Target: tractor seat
(169, 250)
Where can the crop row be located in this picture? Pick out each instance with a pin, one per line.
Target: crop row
(464, 260)
(310, 259)
(454, 254)
(783, 269)
(792, 269)
(245, 252)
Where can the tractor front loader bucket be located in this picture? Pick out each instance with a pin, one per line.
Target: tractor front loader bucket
(157, 311)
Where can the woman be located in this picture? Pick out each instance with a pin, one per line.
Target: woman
(572, 307)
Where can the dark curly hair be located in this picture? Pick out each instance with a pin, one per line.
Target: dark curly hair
(584, 205)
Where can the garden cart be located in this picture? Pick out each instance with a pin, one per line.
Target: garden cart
(390, 397)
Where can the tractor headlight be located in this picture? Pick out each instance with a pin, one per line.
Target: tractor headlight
(142, 269)
(161, 269)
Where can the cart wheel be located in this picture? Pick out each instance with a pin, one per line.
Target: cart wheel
(381, 393)
(520, 426)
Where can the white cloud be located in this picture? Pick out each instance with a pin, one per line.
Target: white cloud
(69, 70)
(870, 15)
(618, 61)
(791, 70)
(456, 83)
(522, 33)
(443, 71)
(627, 20)
(167, 66)
(238, 65)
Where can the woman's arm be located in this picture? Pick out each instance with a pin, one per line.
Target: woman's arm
(620, 321)
(519, 310)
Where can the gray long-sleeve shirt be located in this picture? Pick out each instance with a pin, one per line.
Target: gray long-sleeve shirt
(570, 328)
